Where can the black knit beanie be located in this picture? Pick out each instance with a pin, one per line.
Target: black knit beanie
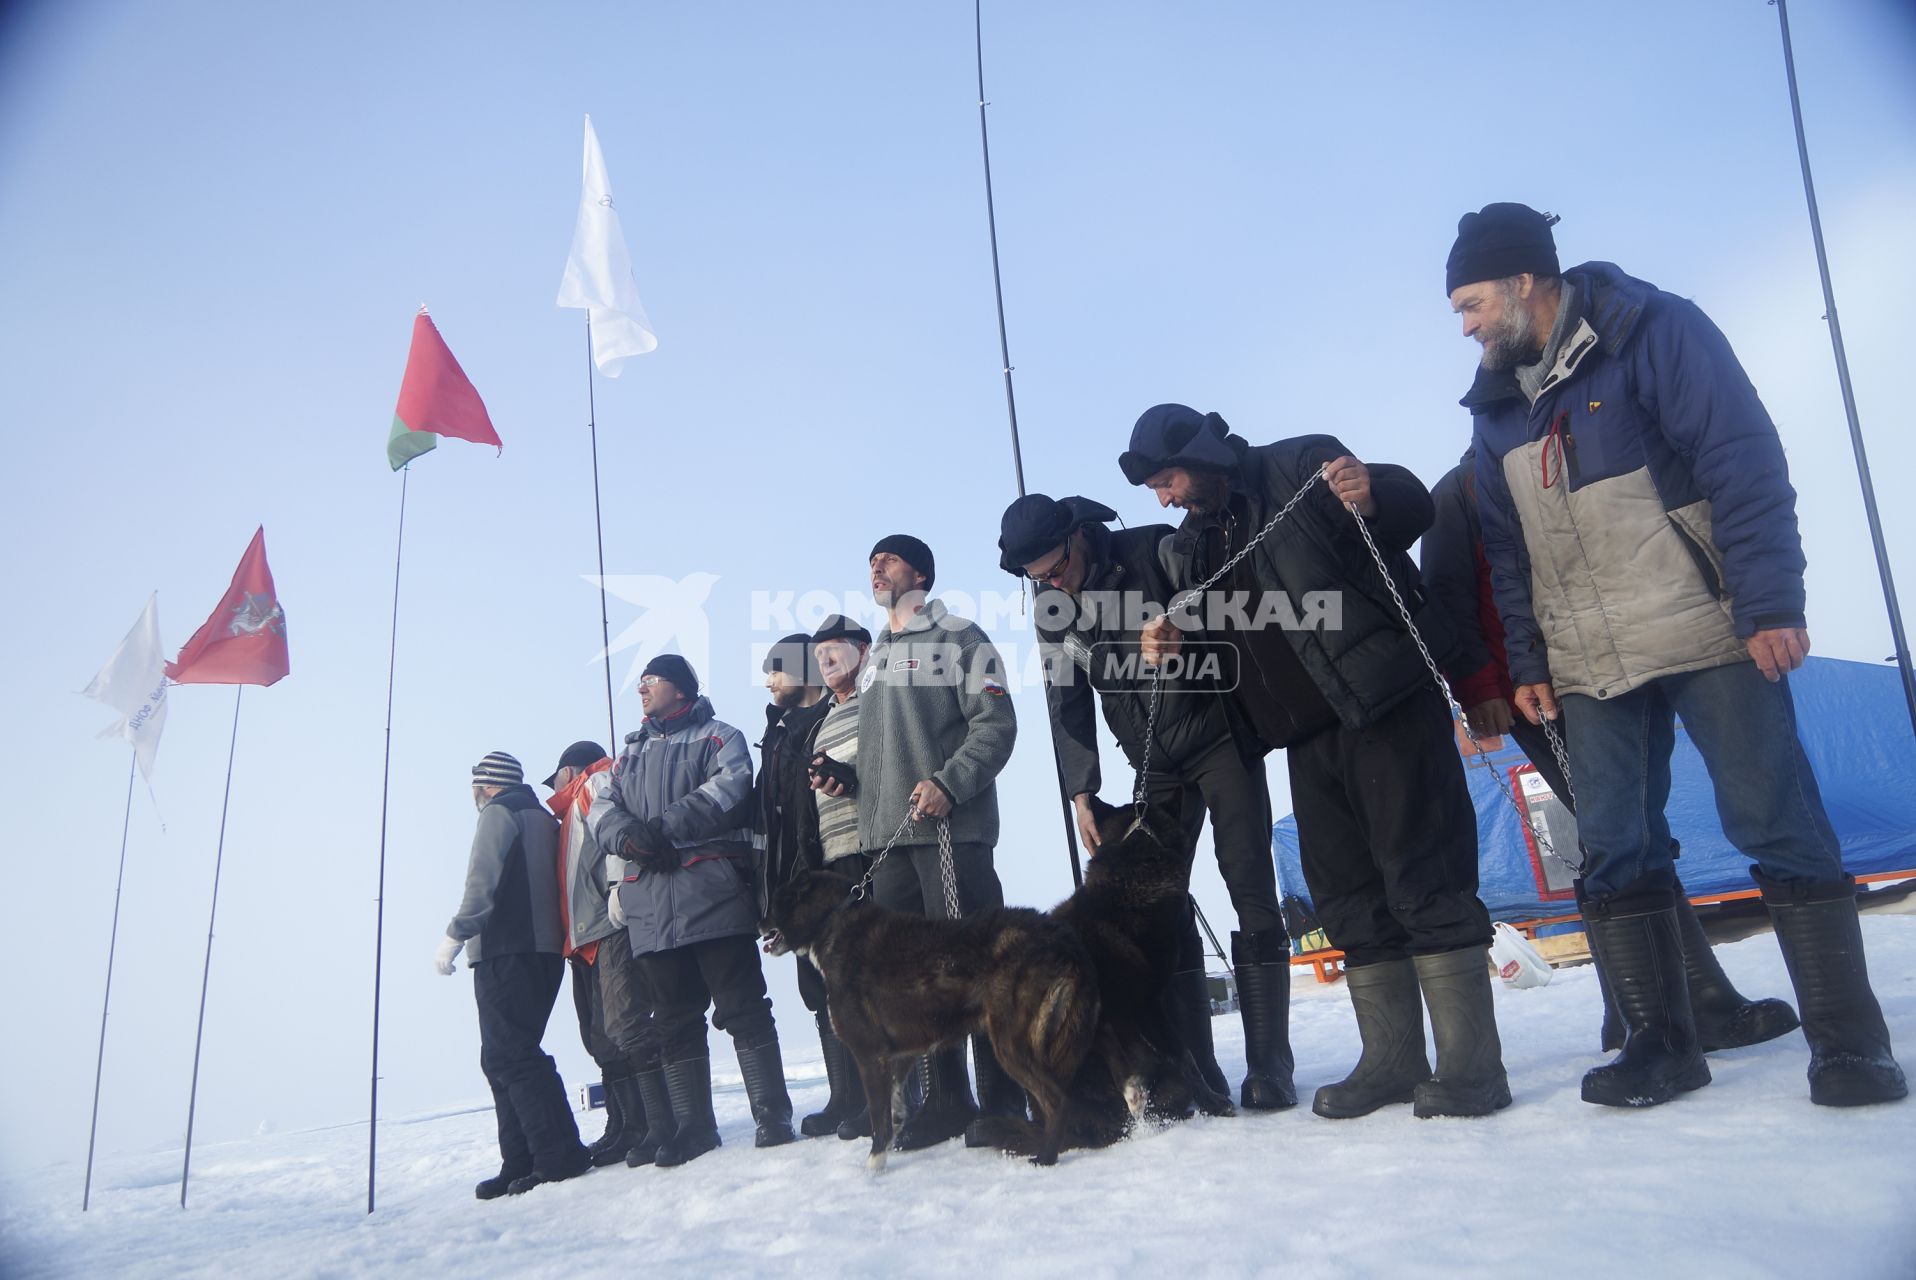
(670, 666)
(911, 551)
(1499, 241)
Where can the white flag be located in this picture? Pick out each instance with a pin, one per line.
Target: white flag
(133, 683)
(598, 275)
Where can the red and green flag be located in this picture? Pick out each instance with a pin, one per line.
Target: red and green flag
(435, 399)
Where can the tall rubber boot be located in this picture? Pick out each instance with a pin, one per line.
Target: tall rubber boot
(1851, 1063)
(656, 1105)
(1469, 1079)
(689, 1083)
(841, 1073)
(764, 1073)
(611, 1145)
(1390, 1020)
(1263, 964)
(1635, 939)
(948, 1108)
(1190, 997)
(625, 1120)
(998, 1094)
(1724, 1017)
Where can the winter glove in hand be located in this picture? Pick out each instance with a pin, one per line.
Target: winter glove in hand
(647, 845)
(839, 771)
(449, 949)
(613, 910)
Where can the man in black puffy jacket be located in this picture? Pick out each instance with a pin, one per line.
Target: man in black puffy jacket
(1329, 671)
(1096, 586)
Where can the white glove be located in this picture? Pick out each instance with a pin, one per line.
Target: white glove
(449, 949)
(613, 910)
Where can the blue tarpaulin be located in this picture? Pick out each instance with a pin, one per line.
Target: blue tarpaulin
(1855, 729)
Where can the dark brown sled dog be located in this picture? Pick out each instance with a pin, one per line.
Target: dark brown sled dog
(902, 985)
(1130, 911)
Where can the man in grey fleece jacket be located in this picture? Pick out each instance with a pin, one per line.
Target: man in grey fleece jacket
(935, 728)
(508, 923)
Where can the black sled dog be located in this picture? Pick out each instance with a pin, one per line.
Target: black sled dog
(1130, 912)
(901, 986)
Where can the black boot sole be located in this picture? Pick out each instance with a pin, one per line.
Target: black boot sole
(1642, 1090)
(1846, 1080)
(1438, 1099)
(1330, 1109)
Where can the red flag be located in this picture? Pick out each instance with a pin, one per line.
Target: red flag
(435, 399)
(244, 642)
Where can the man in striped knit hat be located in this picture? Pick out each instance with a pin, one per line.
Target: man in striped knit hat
(509, 926)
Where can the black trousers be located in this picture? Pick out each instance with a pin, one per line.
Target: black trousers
(909, 880)
(515, 995)
(589, 1003)
(628, 1017)
(811, 983)
(1388, 836)
(1229, 785)
(721, 974)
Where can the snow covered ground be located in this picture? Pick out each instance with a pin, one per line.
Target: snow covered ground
(1744, 1178)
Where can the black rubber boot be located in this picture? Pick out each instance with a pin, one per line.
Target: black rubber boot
(1469, 1079)
(498, 1184)
(764, 1072)
(689, 1084)
(1390, 1019)
(998, 1094)
(841, 1073)
(1190, 997)
(1262, 962)
(613, 1140)
(948, 1108)
(625, 1121)
(1635, 940)
(1724, 1017)
(656, 1103)
(1851, 1063)
(519, 1186)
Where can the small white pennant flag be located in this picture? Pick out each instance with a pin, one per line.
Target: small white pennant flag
(598, 275)
(133, 683)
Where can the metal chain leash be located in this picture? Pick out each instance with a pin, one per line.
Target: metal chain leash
(947, 868)
(1157, 674)
(1537, 829)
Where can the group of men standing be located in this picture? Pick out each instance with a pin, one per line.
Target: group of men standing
(1619, 547)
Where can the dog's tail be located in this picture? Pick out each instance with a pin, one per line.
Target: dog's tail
(1067, 1023)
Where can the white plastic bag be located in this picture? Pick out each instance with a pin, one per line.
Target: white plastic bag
(1518, 963)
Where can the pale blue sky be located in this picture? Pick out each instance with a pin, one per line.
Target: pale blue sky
(216, 221)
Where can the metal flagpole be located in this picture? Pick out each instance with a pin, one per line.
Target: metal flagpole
(199, 1030)
(385, 792)
(112, 942)
(598, 528)
(1011, 406)
(1842, 377)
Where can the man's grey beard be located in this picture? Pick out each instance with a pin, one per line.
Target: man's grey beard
(1514, 340)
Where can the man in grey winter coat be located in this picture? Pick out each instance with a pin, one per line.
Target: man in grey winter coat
(678, 810)
(935, 727)
(508, 924)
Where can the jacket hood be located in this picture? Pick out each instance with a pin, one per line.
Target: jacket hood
(561, 800)
(1176, 435)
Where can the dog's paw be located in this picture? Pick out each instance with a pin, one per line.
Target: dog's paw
(1134, 1097)
(875, 1162)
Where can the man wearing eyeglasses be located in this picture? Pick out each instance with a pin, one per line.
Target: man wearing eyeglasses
(678, 810)
(934, 729)
(1095, 586)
